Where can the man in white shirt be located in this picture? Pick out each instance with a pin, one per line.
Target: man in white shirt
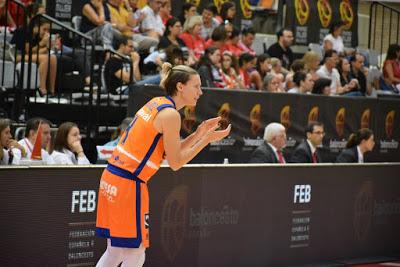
(209, 22)
(329, 71)
(152, 21)
(32, 127)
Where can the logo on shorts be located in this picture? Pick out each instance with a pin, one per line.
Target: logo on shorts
(146, 221)
(108, 190)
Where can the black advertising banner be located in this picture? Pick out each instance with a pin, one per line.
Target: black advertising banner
(311, 20)
(249, 112)
(264, 216)
(387, 131)
(48, 217)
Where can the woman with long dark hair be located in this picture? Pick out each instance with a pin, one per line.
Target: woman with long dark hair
(391, 68)
(173, 29)
(67, 146)
(227, 13)
(208, 68)
(359, 143)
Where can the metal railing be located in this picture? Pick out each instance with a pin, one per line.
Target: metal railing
(384, 27)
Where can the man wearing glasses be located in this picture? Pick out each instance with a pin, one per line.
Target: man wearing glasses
(307, 152)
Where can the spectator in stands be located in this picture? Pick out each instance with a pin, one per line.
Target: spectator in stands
(135, 17)
(218, 38)
(173, 29)
(347, 84)
(67, 146)
(227, 12)
(31, 133)
(20, 34)
(391, 69)
(191, 36)
(311, 63)
(304, 83)
(209, 22)
(10, 151)
(357, 72)
(96, 23)
(334, 39)
(272, 83)
(5, 16)
(281, 49)
(270, 151)
(174, 55)
(165, 11)
(119, 131)
(322, 86)
(263, 66)
(208, 68)
(306, 152)
(39, 49)
(359, 143)
(276, 65)
(229, 75)
(152, 24)
(247, 63)
(329, 71)
(188, 10)
(122, 20)
(117, 73)
(246, 42)
(119, 16)
(228, 27)
(297, 65)
(232, 44)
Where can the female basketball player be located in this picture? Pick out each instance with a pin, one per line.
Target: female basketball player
(123, 205)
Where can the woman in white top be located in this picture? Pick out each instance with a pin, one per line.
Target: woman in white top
(334, 39)
(67, 146)
(10, 151)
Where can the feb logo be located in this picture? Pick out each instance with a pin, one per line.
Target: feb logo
(189, 119)
(302, 193)
(324, 12)
(365, 119)
(285, 117)
(346, 14)
(302, 8)
(313, 115)
(389, 121)
(340, 121)
(255, 119)
(224, 112)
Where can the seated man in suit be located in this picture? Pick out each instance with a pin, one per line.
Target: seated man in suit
(359, 143)
(271, 150)
(307, 152)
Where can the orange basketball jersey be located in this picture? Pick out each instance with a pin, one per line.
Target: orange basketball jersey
(123, 201)
(141, 148)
